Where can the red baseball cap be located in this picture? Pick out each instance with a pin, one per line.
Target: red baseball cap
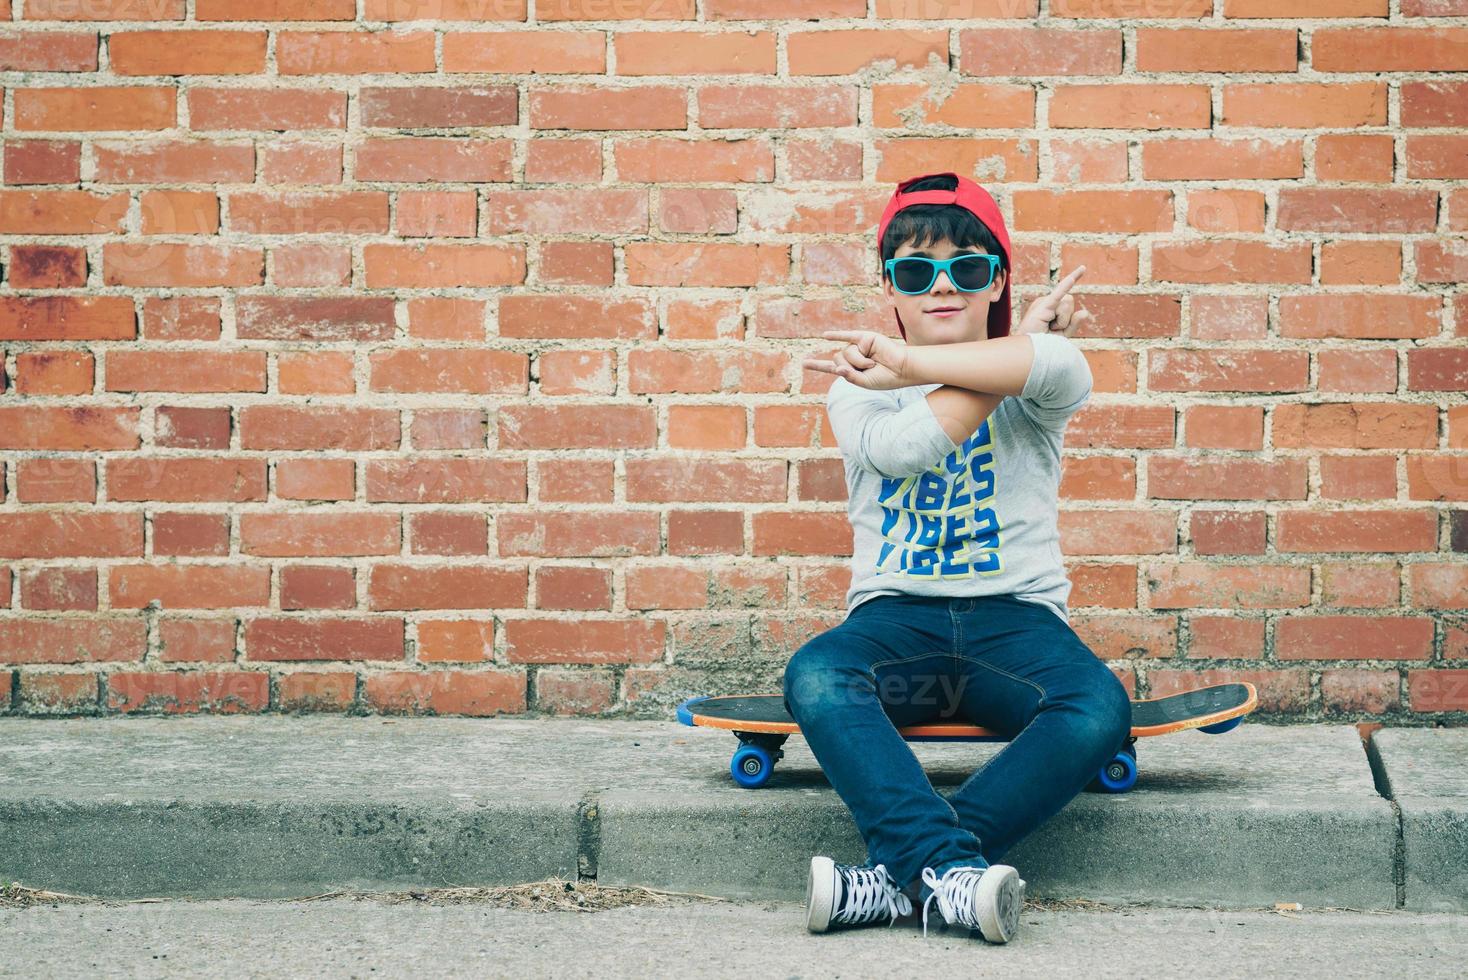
(978, 202)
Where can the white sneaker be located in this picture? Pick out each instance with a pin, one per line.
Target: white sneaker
(848, 894)
(987, 899)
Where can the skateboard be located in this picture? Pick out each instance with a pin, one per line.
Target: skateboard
(762, 725)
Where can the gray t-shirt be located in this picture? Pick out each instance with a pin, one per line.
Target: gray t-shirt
(932, 517)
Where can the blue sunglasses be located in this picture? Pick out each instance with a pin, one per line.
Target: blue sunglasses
(970, 272)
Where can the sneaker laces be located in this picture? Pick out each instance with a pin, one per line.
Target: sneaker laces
(955, 892)
(868, 893)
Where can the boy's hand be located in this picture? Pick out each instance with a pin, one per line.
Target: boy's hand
(1056, 312)
(869, 359)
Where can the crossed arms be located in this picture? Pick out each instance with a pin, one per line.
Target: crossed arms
(1048, 375)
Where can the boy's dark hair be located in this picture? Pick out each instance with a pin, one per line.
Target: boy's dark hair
(925, 224)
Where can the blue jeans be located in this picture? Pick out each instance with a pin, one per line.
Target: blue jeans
(997, 661)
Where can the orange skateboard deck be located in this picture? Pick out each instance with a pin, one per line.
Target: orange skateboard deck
(762, 725)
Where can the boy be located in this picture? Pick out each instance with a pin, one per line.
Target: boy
(957, 605)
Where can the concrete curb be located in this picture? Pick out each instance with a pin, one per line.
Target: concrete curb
(278, 807)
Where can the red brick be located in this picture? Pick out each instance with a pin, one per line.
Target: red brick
(189, 586)
(1225, 638)
(1440, 689)
(265, 109)
(1187, 584)
(1355, 426)
(1434, 102)
(1358, 477)
(170, 161)
(104, 10)
(446, 587)
(278, 10)
(317, 587)
(56, 693)
(1437, 369)
(54, 373)
(338, 212)
(58, 589)
(439, 107)
(307, 163)
(1305, 105)
(319, 535)
(565, 692)
(316, 373)
(600, 108)
(355, 318)
(71, 534)
(1233, 370)
(457, 641)
(1204, 49)
(47, 266)
(479, 372)
(446, 318)
(1439, 585)
(62, 212)
(353, 52)
(71, 641)
(1362, 49)
(447, 692)
(1369, 317)
(448, 429)
(185, 52)
(184, 480)
(197, 640)
(216, 692)
(67, 318)
(436, 214)
(448, 533)
(172, 212)
(315, 479)
(428, 480)
(96, 107)
(447, 265)
(1361, 584)
(591, 641)
(190, 534)
(309, 690)
(185, 371)
(42, 161)
(177, 427)
(566, 587)
(181, 318)
(278, 427)
(324, 639)
(527, 52)
(77, 429)
(1204, 478)
(1370, 691)
(1355, 531)
(1353, 638)
(52, 480)
(429, 159)
(182, 264)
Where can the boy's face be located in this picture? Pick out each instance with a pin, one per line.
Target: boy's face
(923, 324)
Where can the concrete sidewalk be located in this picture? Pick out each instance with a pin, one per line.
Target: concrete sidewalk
(276, 807)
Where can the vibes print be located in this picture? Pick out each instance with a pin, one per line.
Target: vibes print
(941, 523)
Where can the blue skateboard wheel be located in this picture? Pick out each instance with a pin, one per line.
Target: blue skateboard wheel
(1118, 775)
(751, 766)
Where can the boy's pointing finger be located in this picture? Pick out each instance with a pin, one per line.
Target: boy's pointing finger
(1063, 287)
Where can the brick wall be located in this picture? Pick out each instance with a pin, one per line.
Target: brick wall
(444, 356)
